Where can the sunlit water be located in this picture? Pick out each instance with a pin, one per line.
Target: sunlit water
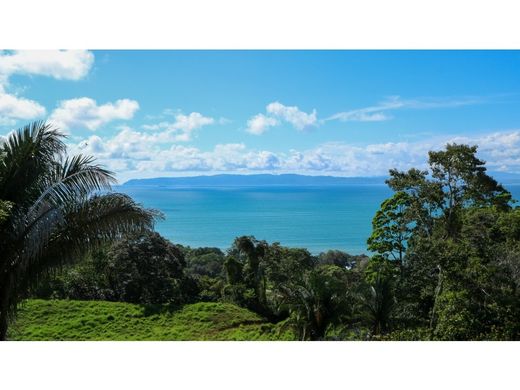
(314, 218)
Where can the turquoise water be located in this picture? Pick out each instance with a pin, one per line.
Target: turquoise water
(314, 218)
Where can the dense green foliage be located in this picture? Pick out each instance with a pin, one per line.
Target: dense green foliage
(205, 266)
(455, 233)
(311, 294)
(53, 208)
(144, 268)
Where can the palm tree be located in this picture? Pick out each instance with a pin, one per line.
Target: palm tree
(253, 270)
(53, 208)
(379, 301)
(320, 299)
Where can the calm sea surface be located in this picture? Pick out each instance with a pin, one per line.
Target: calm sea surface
(314, 218)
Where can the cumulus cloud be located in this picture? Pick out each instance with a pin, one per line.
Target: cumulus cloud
(146, 154)
(378, 112)
(133, 153)
(278, 113)
(13, 107)
(86, 113)
(183, 126)
(260, 123)
(59, 64)
(291, 114)
(500, 150)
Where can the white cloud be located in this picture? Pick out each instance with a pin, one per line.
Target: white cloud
(361, 115)
(370, 114)
(146, 153)
(183, 126)
(188, 123)
(377, 113)
(59, 64)
(260, 123)
(143, 154)
(500, 150)
(278, 113)
(291, 114)
(13, 107)
(86, 113)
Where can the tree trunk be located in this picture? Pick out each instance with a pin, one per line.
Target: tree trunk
(3, 326)
(4, 307)
(319, 326)
(438, 291)
(3, 318)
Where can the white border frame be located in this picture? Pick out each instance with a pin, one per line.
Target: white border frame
(259, 24)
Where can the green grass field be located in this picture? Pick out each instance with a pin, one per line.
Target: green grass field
(99, 320)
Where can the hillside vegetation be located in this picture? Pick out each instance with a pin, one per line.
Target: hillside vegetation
(444, 262)
(97, 320)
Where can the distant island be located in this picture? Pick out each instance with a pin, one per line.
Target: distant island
(235, 180)
(255, 180)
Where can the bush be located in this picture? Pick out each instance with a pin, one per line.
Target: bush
(204, 261)
(144, 268)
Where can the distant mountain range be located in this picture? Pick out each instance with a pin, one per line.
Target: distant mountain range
(226, 180)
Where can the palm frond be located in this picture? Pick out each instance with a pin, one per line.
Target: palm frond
(53, 209)
(92, 223)
(72, 179)
(27, 155)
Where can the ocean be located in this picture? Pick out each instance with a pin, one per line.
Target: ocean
(316, 218)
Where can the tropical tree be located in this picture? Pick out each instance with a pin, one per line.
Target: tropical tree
(54, 208)
(391, 227)
(250, 254)
(322, 298)
(459, 252)
(340, 258)
(377, 295)
(147, 268)
(456, 181)
(204, 261)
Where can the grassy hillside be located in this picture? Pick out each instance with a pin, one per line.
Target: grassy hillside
(98, 320)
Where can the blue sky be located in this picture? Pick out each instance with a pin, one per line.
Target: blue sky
(347, 113)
